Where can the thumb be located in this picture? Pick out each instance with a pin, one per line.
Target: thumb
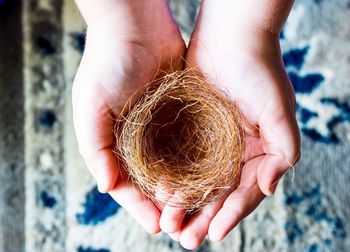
(281, 145)
(94, 125)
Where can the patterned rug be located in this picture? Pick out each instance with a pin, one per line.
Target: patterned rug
(49, 201)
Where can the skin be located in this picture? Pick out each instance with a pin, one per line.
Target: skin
(118, 60)
(243, 58)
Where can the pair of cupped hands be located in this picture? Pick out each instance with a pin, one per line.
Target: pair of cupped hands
(125, 53)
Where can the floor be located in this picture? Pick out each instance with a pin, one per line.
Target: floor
(48, 200)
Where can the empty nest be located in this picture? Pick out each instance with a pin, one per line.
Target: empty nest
(182, 141)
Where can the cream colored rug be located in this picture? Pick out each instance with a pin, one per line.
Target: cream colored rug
(49, 201)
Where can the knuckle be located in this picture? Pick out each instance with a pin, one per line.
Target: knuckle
(208, 212)
(233, 210)
(294, 157)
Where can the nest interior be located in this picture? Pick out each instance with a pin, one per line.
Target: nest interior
(182, 141)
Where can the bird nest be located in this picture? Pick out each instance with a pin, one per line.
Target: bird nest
(182, 141)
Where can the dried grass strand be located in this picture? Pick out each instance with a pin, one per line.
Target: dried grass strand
(182, 137)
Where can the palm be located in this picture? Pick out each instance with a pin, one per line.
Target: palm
(112, 69)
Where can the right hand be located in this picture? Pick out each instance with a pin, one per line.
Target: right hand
(121, 56)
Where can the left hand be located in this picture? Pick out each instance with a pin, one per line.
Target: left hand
(252, 71)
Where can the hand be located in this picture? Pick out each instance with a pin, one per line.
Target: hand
(250, 68)
(122, 53)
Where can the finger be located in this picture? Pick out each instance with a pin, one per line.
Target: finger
(253, 147)
(104, 167)
(94, 124)
(175, 236)
(94, 131)
(238, 204)
(171, 219)
(270, 172)
(159, 205)
(282, 145)
(196, 229)
(141, 208)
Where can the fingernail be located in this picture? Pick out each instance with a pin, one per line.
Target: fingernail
(168, 227)
(276, 180)
(103, 181)
(272, 188)
(175, 236)
(101, 187)
(274, 184)
(214, 237)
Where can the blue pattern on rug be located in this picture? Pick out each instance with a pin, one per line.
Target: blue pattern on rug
(97, 208)
(89, 249)
(342, 116)
(78, 41)
(282, 36)
(293, 230)
(307, 84)
(46, 118)
(313, 248)
(305, 114)
(311, 206)
(48, 200)
(295, 57)
(45, 46)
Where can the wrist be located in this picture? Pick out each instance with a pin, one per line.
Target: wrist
(120, 14)
(246, 15)
(257, 42)
(240, 42)
(134, 21)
